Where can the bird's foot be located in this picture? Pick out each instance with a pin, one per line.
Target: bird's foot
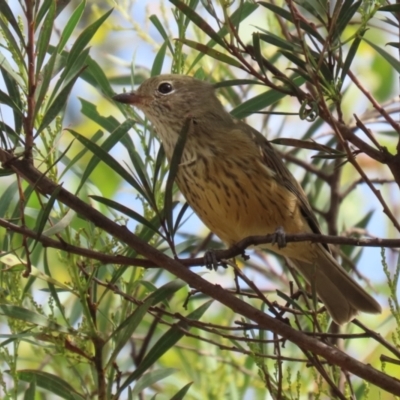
(279, 237)
(211, 261)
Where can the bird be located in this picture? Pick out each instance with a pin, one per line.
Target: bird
(237, 184)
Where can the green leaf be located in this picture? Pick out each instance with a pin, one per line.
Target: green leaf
(44, 37)
(212, 53)
(127, 211)
(150, 378)
(182, 392)
(388, 57)
(23, 314)
(11, 39)
(303, 144)
(347, 11)
(77, 49)
(109, 160)
(45, 213)
(85, 37)
(196, 19)
(71, 25)
(350, 55)
(94, 75)
(30, 392)
(276, 41)
(105, 147)
(15, 95)
(58, 104)
(237, 82)
(126, 329)
(310, 29)
(166, 291)
(10, 18)
(395, 8)
(159, 60)
(157, 23)
(7, 100)
(50, 382)
(257, 103)
(173, 169)
(166, 342)
(240, 14)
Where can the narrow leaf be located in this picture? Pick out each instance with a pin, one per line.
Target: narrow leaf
(58, 104)
(257, 103)
(182, 392)
(159, 60)
(31, 317)
(212, 53)
(388, 57)
(196, 19)
(157, 23)
(174, 165)
(150, 378)
(166, 342)
(50, 382)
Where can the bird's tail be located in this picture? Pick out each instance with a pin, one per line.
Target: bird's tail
(342, 296)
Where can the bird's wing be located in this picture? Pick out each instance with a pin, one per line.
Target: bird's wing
(273, 162)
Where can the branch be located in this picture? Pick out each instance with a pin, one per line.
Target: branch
(330, 353)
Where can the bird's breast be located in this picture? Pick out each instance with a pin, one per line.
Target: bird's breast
(238, 197)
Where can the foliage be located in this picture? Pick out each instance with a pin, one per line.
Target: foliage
(97, 297)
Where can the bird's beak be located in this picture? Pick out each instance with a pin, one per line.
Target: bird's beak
(128, 98)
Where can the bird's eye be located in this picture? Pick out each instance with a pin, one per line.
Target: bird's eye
(165, 88)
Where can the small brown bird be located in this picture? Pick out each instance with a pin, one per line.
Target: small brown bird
(236, 183)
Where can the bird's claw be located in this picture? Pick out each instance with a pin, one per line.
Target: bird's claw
(211, 260)
(279, 237)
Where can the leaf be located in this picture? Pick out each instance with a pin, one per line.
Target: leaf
(159, 60)
(240, 14)
(7, 100)
(45, 213)
(257, 103)
(211, 52)
(388, 57)
(166, 341)
(173, 169)
(44, 36)
(237, 82)
(10, 18)
(150, 378)
(126, 329)
(395, 8)
(50, 382)
(15, 95)
(94, 75)
(166, 291)
(182, 392)
(347, 11)
(31, 317)
(62, 224)
(71, 25)
(85, 37)
(127, 211)
(157, 23)
(303, 144)
(30, 392)
(288, 16)
(350, 55)
(276, 41)
(109, 160)
(57, 105)
(102, 150)
(197, 20)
